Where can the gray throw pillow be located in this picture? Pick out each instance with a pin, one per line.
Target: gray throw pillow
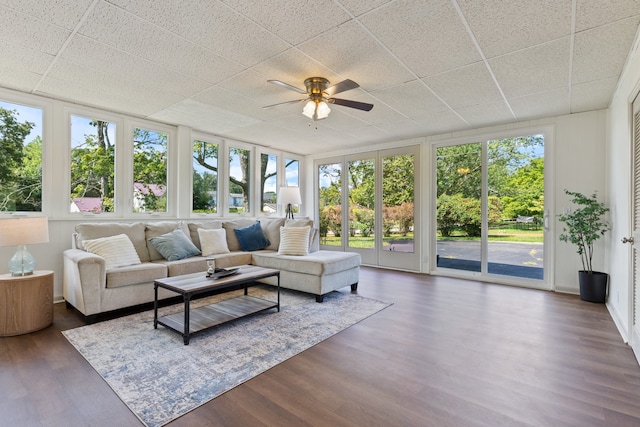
(174, 245)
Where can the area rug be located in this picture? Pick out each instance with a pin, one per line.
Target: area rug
(159, 378)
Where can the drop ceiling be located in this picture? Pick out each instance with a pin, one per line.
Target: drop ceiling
(428, 66)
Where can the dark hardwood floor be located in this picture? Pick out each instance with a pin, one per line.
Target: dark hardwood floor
(448, 352)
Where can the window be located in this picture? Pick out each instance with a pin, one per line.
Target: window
(20, 158)
(239, 180)
(92, 165)
(205, 177)
(268, 182)
(149, 170)
(292, 172)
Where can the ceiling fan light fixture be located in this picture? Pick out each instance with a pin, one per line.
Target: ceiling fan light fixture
(316, 110)
(309, 109)
(322, 110)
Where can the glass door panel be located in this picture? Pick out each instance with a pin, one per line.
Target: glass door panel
(398, 180)
(459, 207)
(515, 241)
(330, 204)
(361, 204)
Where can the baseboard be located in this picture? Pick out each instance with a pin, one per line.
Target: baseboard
(618, 321)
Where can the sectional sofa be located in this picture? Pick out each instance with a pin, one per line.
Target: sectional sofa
(113, 265)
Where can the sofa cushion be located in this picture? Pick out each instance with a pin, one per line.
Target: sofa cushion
(318, 263)
(95, 230)
(197, 264)
(155, 229)
(294, 241)
(232, 240)
(174, 245)
(117, 251)
(207, 225)
(213, 242)
(146, 272)
(251, 238)
(271, 229)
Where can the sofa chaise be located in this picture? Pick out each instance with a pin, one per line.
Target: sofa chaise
(113, 265)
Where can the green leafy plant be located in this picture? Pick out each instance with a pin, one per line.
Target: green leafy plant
(584, 225)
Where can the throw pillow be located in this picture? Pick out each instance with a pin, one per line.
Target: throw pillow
(174, 245)
(117, 251)
(313, 232)
(294, 241)
(213, 241)
(251, 238)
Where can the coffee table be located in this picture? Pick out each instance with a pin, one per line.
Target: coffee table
(202, 318)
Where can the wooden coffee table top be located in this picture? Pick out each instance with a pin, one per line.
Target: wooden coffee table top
(196, 282)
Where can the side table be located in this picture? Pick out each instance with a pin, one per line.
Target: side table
(26, 303)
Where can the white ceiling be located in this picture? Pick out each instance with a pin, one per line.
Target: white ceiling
(428, 66)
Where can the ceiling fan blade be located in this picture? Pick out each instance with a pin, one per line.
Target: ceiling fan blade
(342, 87)
(352, 104)
(286, 102)
(287, 86)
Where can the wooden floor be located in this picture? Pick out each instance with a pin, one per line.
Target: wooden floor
(448, 352)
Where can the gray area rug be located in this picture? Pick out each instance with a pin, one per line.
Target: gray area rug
(160, 379)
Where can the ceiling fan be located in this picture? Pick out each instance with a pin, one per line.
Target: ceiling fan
(319, 95)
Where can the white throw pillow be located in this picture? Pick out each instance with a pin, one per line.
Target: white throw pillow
(117, 251)
(213, 241)
(294, 241)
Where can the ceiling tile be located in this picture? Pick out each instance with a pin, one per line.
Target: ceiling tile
(427, 36)
(486, 114)
(97, 56)
(293, 67)
(470, 85)
(124, 31)
(30, 32)
(544, 104)
(63, 13)
(102, 89)
(611, 42)
(361, 59)
(293, 21)
(506, 26)
(592, 95)
(532, 70)
(359, 7)
(594, 13)
(412, 99)
(214, 26)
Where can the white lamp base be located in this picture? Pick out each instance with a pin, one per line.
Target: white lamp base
(22, 263)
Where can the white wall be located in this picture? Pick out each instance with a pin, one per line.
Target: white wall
(619, 124)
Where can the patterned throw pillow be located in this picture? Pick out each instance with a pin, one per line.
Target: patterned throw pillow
(117, 251)
(213, 241)
(294, 241)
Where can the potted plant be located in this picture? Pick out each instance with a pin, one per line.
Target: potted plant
(583, 226)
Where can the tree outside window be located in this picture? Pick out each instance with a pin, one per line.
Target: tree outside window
(205, 177)
(92, 165)
(20, 158)
(149, 170)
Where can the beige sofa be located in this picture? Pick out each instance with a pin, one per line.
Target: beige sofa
(92, 287)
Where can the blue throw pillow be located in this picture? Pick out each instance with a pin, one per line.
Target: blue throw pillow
(252, 238)
(174, 245)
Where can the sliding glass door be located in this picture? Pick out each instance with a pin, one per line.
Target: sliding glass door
(489, 207)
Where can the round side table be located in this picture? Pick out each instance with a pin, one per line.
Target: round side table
(26, 303)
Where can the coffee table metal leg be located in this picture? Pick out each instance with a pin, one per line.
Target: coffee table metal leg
(187, 301)
(155, 306)
(278, 292)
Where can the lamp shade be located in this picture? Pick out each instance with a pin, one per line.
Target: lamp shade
(289, 195)
(24, 231)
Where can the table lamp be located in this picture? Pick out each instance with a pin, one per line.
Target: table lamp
(21, 232)
(289, 196)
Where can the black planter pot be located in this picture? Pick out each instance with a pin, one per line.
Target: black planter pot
(593, 287)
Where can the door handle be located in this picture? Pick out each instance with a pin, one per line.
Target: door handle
(627, 240)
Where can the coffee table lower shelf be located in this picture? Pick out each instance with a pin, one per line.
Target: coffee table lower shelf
(207, 317)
